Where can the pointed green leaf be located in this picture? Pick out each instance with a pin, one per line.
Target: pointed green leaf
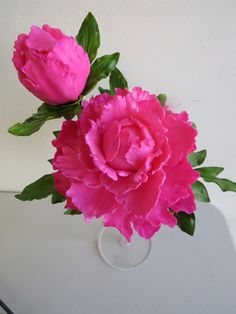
(37, 190)
(196, 159)
(57, 198)
(162, 98)
(89, 37)
(100, 69)
(186, 222)
(44, 113)
(224, 184)
(209, 171)
(200, 192)
(72, 212)
(117, 80)
(34, 123)
(194, 125)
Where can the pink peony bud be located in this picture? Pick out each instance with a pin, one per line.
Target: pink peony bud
(51, 65)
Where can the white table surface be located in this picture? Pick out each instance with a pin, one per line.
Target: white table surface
(49, 264)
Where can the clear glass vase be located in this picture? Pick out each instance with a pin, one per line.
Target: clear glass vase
(117, 252)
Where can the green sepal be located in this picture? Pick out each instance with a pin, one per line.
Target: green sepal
(186, 222)
(57, 197)
(200, 192)
(55, 133)
(197, 158)
(45, 113)
(209, 171)
(37, 190)
(104, 90)
(72, 212)
(78, 109)
(89, 37)
(194, 125)
(162, 98)
(100, 69)
(117, 80)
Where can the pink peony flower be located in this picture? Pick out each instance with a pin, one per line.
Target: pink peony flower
(126, 159)
(51, 65)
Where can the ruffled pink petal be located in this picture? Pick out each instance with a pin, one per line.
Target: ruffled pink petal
(126, 139)
(113, 110)
(42, 71)
(122, 92)
(137, 154)
(67, 135)
(20, 53)
(40, 40)
(145, 197)
(183, 115)
(139, 94)
(120, 220)
(182, 173)
(187, 204)
(93, 202)
(94, 141)
(181, 137)
(149, 114)
(62, 184)
(178, 180)
(71, 136)
(161, 214)
(161, 157)
(55, 32)
(111, 147)
(144, 228)
(71, 54)
(93, 110)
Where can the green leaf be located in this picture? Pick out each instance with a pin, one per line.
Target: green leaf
(89, 37)
(162, 98)
(57, 198)
(72, 212)
(100, 69)
(224, 184)
(117, 80)
(103, 90)
(37, 190)
(209, 171)
(194, 125)
(200, 192)
(186, 222)
(45, 113)
(196, 159)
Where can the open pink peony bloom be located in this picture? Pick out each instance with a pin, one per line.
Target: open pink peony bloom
(51, 65)
(126, 159)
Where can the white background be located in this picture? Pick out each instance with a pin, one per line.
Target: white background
(184, 48)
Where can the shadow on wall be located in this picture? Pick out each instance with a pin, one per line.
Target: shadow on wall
(201, 269)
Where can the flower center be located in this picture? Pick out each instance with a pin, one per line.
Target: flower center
(126, 144)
